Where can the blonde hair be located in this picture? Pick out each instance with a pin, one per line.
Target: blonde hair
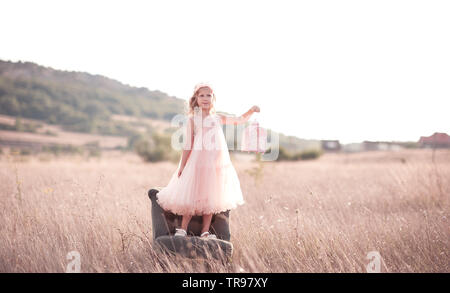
(193, 103)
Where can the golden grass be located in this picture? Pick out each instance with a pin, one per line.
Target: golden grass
(308, 216)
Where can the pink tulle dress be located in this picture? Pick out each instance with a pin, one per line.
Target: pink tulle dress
(209, 183)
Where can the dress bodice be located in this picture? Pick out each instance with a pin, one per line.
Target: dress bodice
(207, 122)
(209, 131)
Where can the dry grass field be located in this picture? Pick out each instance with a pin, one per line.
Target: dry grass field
(324, 215)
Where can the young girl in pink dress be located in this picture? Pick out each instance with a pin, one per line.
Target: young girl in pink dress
(205, 182)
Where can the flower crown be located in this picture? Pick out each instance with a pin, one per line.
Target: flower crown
(203, 84)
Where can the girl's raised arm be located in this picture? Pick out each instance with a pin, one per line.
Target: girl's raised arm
(238, 120)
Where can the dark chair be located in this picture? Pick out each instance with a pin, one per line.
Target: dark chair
(192, 246)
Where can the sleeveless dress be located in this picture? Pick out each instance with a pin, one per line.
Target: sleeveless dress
(209, 183)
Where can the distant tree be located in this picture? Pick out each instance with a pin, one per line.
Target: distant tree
(18, 124)
(284, 155)
(156, 148)
(9, 105)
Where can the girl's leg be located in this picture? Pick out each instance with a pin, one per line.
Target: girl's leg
(206, 222)
(185, 221)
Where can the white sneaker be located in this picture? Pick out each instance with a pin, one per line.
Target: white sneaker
(180, 232)
(208, 235)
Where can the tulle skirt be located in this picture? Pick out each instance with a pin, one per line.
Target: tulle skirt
(208, 185)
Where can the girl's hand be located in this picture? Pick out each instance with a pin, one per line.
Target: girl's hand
(255, 109)
(180, 171)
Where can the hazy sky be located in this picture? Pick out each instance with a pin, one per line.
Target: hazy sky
(347, 70)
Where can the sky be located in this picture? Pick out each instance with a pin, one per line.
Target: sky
(346, 70)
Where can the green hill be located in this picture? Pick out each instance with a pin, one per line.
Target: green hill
(83, 102)
(78, 101)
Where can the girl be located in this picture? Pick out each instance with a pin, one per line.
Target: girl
(205, 182)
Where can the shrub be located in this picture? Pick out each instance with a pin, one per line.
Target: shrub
(410, 145)
(95, 152)
(50, 133)
(62, 149)
(25, 151)
(93, 148)
(156, 148)
(284, 155)
(310, 154)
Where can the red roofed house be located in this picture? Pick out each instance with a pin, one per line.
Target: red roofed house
(437, 140)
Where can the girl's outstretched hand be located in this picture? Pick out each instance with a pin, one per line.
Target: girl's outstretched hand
(255, 109)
